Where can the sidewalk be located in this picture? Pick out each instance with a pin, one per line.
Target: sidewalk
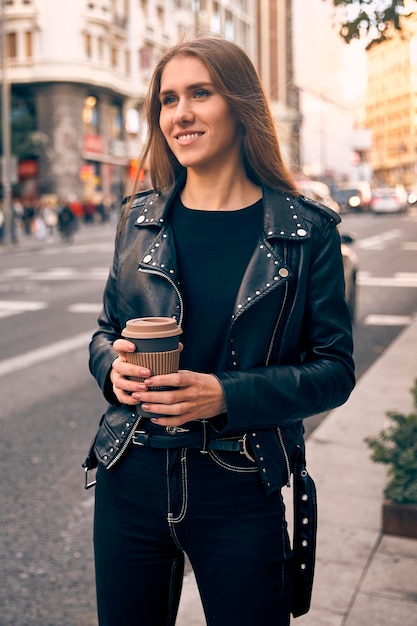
(363, 578)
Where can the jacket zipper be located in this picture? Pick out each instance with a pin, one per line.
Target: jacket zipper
(129, 437)
(126, 443)
(281, 313)
(287, 461)
(279, 432)
(172, 283)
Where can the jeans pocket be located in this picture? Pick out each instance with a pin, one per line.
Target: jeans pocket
(233, 462)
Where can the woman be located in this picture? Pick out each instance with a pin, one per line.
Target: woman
(253, 274)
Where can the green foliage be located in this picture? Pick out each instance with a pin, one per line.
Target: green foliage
(368, 19)
(396, 446)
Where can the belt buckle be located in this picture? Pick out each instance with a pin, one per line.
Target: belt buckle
(173, 430)
(135, 442)
(88, 483)
(245, 451)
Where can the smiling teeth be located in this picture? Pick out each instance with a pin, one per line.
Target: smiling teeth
(190, 136)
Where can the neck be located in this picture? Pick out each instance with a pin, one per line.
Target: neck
(219, 193)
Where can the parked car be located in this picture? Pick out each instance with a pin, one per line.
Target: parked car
(354, 196)
(316, 190)
(350, 267)
(389, 200)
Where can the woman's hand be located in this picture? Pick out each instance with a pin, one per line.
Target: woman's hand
(195, 396)
(122, 371)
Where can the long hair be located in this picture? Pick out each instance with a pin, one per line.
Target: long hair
(237, 80)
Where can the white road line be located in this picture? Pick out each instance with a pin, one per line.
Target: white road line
(57, 273)
(387, 320)
(14, 307)
(22, 361)
(401, 279)
(80, 249)
(84, 307)
(409, 245)
(377, 242)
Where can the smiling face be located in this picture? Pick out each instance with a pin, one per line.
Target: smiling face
(195, 119)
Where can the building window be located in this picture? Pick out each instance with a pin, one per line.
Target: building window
(11, 45)
(115, 121)
(28, 45)
(87, 45)
(114, 57)
(145, 57)
(215, 18)
(100, 45)
(229, 26)
(90, 116)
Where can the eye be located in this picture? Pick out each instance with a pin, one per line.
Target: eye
(167, 100)
(201, 93)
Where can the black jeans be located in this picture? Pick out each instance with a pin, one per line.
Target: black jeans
(156, 505)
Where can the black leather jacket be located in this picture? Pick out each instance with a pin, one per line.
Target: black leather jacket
(289, 347)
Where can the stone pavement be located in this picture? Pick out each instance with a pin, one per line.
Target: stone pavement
(363, 578)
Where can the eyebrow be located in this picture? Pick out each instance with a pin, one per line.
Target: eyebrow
(188, 88)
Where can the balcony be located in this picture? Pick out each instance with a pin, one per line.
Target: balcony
(21, 71)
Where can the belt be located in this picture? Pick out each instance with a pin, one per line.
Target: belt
(142, 438)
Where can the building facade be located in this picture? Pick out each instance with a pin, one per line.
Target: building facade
(391, 107)
(79, 72)
(276, 68)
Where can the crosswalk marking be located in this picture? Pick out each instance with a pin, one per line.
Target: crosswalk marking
(388, 320)
(84, 307)
(57, 273)
(401, 279)
(377, 242)
(14, 307)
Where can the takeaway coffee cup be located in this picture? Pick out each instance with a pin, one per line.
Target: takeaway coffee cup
(156, 341)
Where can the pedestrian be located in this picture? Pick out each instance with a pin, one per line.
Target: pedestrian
(66, 221)
(252, 272)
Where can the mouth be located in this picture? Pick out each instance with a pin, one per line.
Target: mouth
(188, 136)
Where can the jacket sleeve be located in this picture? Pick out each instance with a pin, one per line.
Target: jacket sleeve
(102, 354)
(320, 374)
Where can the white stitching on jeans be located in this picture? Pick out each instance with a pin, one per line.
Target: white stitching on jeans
(233, 468)
(184, 481)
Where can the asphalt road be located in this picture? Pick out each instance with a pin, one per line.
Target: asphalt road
(50, 295)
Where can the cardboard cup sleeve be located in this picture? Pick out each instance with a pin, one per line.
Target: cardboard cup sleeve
(157, 362)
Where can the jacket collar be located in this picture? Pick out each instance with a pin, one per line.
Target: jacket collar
(282, 214)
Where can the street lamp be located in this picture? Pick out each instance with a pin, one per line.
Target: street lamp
(5, 126)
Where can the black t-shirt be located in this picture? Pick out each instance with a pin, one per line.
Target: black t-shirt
(214, 249)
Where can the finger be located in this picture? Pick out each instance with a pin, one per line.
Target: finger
(166, 380)
(123, 345)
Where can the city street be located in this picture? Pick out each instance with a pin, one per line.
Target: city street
(50, 295)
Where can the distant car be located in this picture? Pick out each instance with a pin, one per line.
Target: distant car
(353, 198)
(316, 190)
(389, 200)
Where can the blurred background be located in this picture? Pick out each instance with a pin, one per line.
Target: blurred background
(75, 74)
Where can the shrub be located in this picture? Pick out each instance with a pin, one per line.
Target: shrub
(396, 446)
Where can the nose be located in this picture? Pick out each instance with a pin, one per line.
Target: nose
(183, 112)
